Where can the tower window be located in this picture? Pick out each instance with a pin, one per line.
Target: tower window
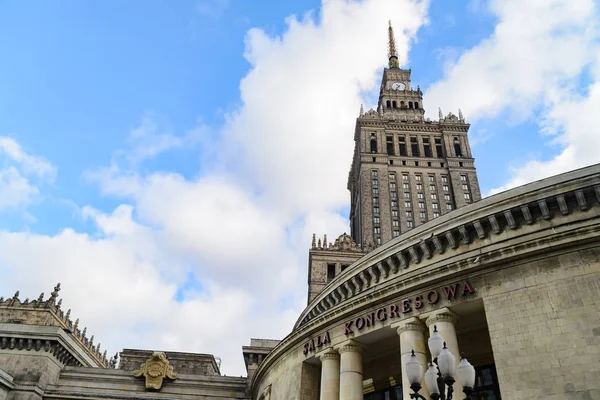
(396, 233)
(373, 145)
(457, 148)
(439, 148)
(402, 105)
(394, 104)
(402, 141)
(427, 147)
(410, 224)
(374, 173)
(410, 105)
(377, 230)
(330, 272)
(414, 146)
(388, 104)
(390, 145)
(416, 105)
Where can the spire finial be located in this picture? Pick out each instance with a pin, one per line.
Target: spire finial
(362, 110)
(392, 56)
(314, 241)
(460, 115)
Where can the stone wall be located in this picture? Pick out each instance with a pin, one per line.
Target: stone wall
(544, 324)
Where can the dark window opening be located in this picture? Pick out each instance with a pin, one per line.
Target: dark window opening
(373, 145)
(416, 163)
(416, 105)
(373, 159)
(330, 272)
(429, 163)
(388, 104)
(427, 147)
(410, 105)
(391, 162)
(403, 162)
(460, 164)
(402, 141)
(389, 141)
(394, 104)
(457, 149)
(439, 148)
(414, 147)
(402, 105)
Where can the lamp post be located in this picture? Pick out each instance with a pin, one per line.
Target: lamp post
(440, 377)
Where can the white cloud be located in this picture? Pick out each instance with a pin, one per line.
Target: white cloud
(530, 68)
(30, 164)
(244, 225)
(16, 188)
(537, 48)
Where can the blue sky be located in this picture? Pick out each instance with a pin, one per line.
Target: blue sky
(179, 139)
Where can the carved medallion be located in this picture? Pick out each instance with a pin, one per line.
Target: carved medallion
(155, 370)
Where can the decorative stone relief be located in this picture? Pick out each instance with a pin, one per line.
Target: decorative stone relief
(155, 370)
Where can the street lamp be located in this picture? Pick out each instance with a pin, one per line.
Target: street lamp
(440, 375)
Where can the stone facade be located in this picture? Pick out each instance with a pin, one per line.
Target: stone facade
(406, 170)
(328, 260)
(515, 278)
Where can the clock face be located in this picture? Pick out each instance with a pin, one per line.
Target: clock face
(398, 86)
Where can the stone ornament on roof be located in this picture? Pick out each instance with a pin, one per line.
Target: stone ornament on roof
(155, 370)
(345, 243)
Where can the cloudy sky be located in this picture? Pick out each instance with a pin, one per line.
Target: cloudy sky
(168, 161)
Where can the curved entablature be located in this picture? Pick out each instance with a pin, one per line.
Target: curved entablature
(514, 225)
(490, 217)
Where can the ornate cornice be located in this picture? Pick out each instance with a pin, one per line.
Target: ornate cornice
(50, 347)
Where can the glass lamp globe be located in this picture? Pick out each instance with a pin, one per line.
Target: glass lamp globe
(431, 379)
(414, 369)
(435, 342)
(446, 362)
(465, 373)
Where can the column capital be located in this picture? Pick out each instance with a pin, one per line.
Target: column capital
(442, 315)
(350, 346)
(329, 354)
(409, 324)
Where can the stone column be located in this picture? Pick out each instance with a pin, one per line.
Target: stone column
(351, 371)
(446, 320)
(330, 375)
(412, 337)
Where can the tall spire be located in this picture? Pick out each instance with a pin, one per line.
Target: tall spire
(393, 57)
